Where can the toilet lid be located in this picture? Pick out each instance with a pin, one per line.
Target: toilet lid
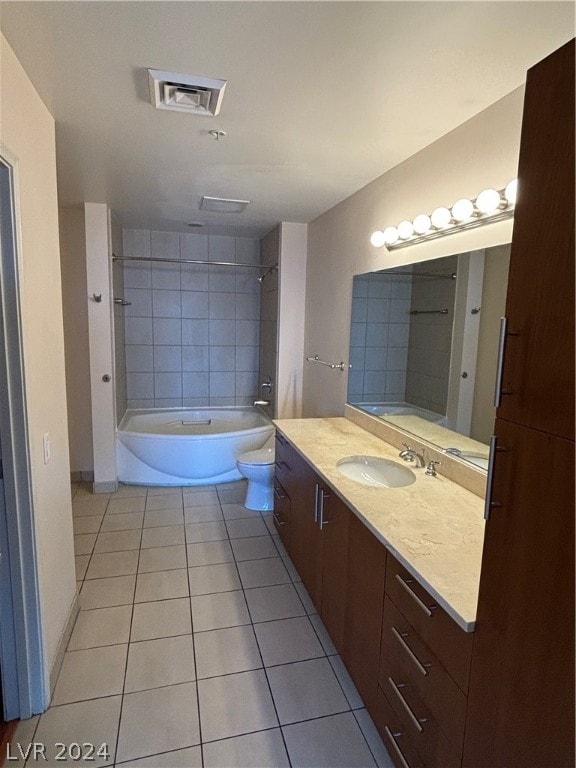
(260, 456)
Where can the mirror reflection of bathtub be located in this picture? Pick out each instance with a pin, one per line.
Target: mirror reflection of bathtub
(423, 348)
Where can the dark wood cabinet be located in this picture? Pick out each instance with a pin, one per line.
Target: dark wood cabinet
(334, 536)
(521, 694)
(364, 604)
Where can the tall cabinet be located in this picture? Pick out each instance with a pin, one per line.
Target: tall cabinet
(521, 695)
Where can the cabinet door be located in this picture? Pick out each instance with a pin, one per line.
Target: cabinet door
(364, 603)
(334, 526)
(305, 541)
(282, 513)
(521, 695)
(538, 368)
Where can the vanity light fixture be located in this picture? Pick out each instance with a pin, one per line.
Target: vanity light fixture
(489, 206)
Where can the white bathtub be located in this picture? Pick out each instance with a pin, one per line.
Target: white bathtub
(181, 446)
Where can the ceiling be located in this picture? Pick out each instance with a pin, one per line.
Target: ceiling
(321, 98)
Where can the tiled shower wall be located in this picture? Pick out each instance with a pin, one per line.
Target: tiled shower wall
(191, 331)
(379, 338)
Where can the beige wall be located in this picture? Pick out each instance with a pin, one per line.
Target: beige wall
(75, 308)
(482, 152)
(27, 132)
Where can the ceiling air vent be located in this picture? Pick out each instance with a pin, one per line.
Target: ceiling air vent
(222, 205)
(185, 93)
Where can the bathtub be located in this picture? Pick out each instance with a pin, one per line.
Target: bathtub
(181, 446)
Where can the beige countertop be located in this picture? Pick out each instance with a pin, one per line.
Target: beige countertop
(434, 527)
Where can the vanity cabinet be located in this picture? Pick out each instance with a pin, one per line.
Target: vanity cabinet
(423, 675)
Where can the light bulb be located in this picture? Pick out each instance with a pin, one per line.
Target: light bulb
(488, 201)
(462, 209)
(511, 191)
(377, 238)
(422, 224)
(405, 229)
(391, 235)
(441, 217)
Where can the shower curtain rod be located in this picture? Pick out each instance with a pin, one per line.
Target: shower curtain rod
(194, 261)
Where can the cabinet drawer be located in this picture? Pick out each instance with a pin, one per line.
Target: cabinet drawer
(284, 462)
(418, 674)
(394, 736)
(282, 513)
(439, 631)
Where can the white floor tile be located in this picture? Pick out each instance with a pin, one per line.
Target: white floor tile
(167, 536)
(279, 546)
(125, 491)
(84, 543)
(173, 711)
(206, 579)
(163, 618)
(209, 553)
(156, 663)
(291, 568)
(224, 651)
(94, 722)
(105, 593)
(161, 517)
(91, 674)
(269, 603)
(235, 704)
(164, 501)
(196, 532)
(200, 498)
(253, 548)
(309, 606)
(179, 758)
(162, 559)
(92, 506)
(329, 742)
(161, 585)
(305, 690)
(124, 522)
(101, 626)
(263, 573)
(207, 514)
(379, 752)
(254, 750)
(237, 511)
(216, 611)
(287, 640)
(87, 524)
(112, 564)
(323, 635)
(350, 691)
(244, 528)
(124, 505)
(118, 541)
(164, 490)
(232, 495)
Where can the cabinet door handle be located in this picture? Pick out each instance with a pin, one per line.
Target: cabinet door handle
(498, 391)
(421, 667)
(488, 503)
(397, 749)
(413, 595)
(316, 497)
(278, 520)
(323, 495)
(417, 722)
(278, 494)
(279, 463)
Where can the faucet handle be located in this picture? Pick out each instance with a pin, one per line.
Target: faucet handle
(431, 468)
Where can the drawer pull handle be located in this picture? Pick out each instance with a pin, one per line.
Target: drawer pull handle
(279, 463)
(396, 747)
(278, 494)
(413, 595)
(421, 667)
(415, 720)
(278, 521)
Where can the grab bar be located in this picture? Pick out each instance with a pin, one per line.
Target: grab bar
(340, 366)
(429, 312)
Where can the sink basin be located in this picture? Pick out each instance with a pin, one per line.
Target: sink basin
(373, 470)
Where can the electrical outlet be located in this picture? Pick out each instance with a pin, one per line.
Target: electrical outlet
(47, 448)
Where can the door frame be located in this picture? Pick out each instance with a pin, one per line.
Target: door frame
(21, 648)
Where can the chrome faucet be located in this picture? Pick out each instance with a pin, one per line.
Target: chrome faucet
(412, 456)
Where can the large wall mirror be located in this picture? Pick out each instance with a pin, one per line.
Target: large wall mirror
(424, 348)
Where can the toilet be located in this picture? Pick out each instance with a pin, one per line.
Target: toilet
(258, 468)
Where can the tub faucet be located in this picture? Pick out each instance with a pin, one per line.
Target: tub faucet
(262, 403)
(412, 456)
(266, 385)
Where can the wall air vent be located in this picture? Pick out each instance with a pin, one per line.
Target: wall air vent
(222, 205)
(185, 93)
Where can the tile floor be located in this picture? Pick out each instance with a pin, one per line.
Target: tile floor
(197, 644)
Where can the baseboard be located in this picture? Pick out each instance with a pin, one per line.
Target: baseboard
(63, 643)
(108, 486)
